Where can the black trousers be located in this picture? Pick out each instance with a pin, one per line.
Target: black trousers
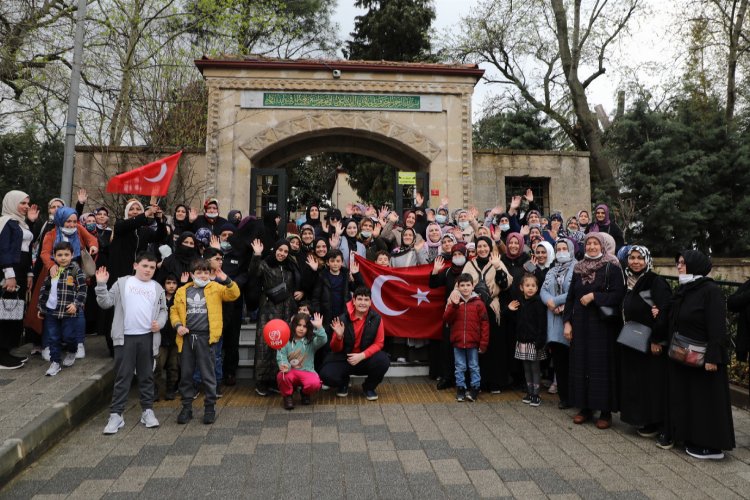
(336, 372)
(561, 360)
(231, 334)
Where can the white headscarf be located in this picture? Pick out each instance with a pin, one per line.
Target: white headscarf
(130, 204)
(10, 209)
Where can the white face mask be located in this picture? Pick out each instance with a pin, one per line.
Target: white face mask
(69, 231)
(459, 260)
(212, 215)
(597, 256)
(463, 224)
(563, 257)
(366, 234)
(200, 283)
(504, 227)
(440, 218)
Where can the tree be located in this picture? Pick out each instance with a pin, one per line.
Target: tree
(392, 30)
(541, 50)
(519, 128)
(372, 179)
(312, 179)
(31, 165)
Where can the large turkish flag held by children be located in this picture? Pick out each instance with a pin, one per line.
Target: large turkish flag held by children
(152, 179)
(404, 299)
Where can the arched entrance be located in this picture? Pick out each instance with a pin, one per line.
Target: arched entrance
(263, 113)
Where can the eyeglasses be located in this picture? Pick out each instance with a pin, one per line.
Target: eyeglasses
(218, 257)
(680, 263)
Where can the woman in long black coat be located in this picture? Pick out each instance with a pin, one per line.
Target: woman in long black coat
(700, 412)
(597, 281)
(643, 376)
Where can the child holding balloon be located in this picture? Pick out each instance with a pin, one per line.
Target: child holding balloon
(296, 359)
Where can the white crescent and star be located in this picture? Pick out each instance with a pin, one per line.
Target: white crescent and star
(377, 295)
(159, 177)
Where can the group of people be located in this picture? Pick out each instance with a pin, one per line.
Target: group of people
(526, 294)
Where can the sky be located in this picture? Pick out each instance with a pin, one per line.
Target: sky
(648, 46)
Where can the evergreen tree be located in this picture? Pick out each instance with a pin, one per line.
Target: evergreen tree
(392, 30)
(31, 165)
(519, 128)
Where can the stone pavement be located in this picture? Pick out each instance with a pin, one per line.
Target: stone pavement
(392, 448)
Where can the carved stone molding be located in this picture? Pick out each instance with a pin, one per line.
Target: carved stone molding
(338, 85)
(320, 121)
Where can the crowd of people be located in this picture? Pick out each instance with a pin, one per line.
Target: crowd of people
(528, 296)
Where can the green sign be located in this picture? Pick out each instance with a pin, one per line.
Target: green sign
(356, 101)
(407, 178)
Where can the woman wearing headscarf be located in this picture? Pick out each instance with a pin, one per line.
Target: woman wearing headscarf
(584, 220)
(181, 221)
(433, 240)
(280, 283)
(642, 375)
(514, 259)
(312, 218)
(597, 281)
(603, 224)
(700, 411)
(178, 264)
(554, 294)
(349, 241)
(488, 267)
(131, 236)
(15, 261)
(412, 252)
(544, 256)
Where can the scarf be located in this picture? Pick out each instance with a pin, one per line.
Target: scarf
(429, 243)
(519, 239)
(550, 255)
(605, 223)
(632, 276)
(130, 204)
(588, 266)
(559, 270)
(61, 216)
(11, 200)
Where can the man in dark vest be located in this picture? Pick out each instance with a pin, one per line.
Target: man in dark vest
(356, 348)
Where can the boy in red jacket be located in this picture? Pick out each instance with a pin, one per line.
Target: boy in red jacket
(470, 334)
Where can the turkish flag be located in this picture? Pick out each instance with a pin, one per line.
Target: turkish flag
(404, 299)
(152, 179)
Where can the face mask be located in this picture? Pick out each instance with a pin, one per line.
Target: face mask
(563, 257)
(69, 231)
(459, 261)
(225, 246)
(504, 227)
(594, 256)
(463, 224)
(685, 278)
(572, 229)
(91, 227)
(535, 225)
(212, 215)
(200, 283)
(440, 218)
(366, 234)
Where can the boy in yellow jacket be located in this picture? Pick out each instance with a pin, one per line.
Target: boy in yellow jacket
(197, 317)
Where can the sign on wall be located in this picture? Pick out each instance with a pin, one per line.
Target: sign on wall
(325, 100)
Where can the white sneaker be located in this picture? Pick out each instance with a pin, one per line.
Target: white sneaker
(53, 369)
(81, 351)
(115, 423)
(45, 354)
(69, 360)
(149, 419)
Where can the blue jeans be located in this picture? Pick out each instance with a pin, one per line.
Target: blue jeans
(61, 331)
(464, 357)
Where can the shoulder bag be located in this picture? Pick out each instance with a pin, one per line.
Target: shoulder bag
(687, 351)
(279, 293)
(11, 309)
(635, 335)
(608, 313)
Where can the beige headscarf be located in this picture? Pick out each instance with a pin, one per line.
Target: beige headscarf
(10, 209)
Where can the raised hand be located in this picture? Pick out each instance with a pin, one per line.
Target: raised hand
(102, 276)
(33, 213)
(418, 245)
(192, 214)
(335, 241)
(495, 259)
(83, 196)
(353, 264)
(473, 212)
(530, 195)
(185, 277)
(437, 266)
(455, 297)
(298, 295)
(444, 202)
(376, 230)
(515, 202)
(514, 305)
(393, 217)
(215, 243)
(525, 229)
(419, 199)
(312, 262)
(257, 246)
(338, 327)
(317, 320)
(383, 213)
(93, 251)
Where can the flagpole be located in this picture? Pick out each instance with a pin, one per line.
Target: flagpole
(66, 191)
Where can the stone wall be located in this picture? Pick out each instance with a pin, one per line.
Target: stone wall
(724, 269)
(567, 174)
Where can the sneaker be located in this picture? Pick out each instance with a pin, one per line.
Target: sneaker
(343, 391)
(45, 354)
(460, 394)
(648, 431)
(219, 393)
(664, 442)
(261, 389)
(54, 369)
(287, 403)
(704, 453)
(552, 389)
(305, 399)
(9, 363)
(495, 390)
(526, 399)
(472, 394)
(370, 394)
(535, 400)
(324, 387)
(69, 360)
(185, 416)
(81, 351)
(149, 419)
(115, 423)
(209, 415)
(36, 350)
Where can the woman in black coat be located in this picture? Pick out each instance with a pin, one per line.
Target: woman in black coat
(597, 281)
(700, 411)
(185, 252)
(642, 375)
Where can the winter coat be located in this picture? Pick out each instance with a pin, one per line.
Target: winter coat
(321, 296)
(469, 323)
(550, 289)
(130, 237)
(215, 293)
(531, 321)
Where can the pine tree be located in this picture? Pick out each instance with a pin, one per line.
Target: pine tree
(519, 128)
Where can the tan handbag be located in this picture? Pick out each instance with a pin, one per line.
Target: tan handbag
(87, 263)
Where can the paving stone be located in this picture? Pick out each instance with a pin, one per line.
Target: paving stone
(449, 471)
(471, 458)
(406, 441)
(352, 442)
(549, 481)
(414, 461)
(383, 456)
(511, 475)
(487, 483)
(65, 481)
(425, 485)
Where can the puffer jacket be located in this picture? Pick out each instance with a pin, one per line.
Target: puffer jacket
(469, 323)
(215, 293)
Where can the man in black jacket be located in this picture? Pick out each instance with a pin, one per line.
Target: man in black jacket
(357, 348)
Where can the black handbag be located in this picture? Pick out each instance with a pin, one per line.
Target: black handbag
(687, 351)
(279, 293)
(635, 335)
(608, 313)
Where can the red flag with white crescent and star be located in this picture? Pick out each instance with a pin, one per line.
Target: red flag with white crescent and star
(404, 299)
(152, 179)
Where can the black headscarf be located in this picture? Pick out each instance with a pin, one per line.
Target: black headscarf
(696, 263)
(271, 259)
(182, 253)
(315, 223)
(482, 261)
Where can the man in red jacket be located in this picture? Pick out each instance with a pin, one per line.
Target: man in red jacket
(470, 334)
(356, 348)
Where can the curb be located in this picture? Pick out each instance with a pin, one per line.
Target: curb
(44, 431)
(739, 396)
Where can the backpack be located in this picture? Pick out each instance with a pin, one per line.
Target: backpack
(481, 287)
